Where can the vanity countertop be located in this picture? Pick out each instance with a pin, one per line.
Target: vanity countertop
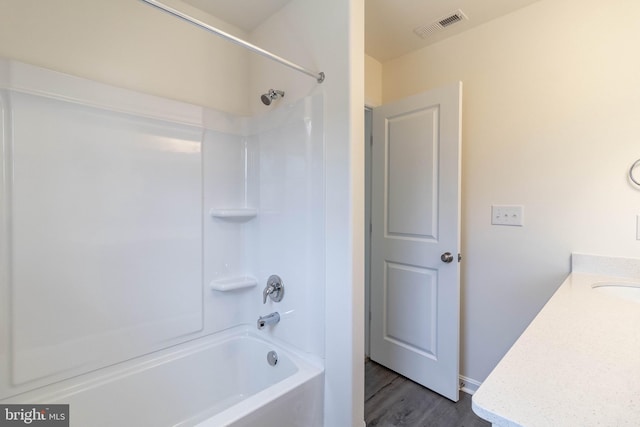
(577, 363)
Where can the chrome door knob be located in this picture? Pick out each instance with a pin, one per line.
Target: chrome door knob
(446, 257)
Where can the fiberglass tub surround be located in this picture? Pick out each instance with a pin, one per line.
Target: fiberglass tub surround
(138, 223)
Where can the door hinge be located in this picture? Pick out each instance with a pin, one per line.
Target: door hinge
(459, 257)
(370, 228)
(371, 140)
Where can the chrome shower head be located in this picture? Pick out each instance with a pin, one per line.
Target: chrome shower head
(266, 99)
(271, 96)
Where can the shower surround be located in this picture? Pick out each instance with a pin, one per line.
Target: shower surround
(139, 225)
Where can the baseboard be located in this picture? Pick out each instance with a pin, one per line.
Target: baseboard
(468, 385)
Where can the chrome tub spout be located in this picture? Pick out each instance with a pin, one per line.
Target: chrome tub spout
(269, 319)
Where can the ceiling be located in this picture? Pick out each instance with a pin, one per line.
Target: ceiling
(244, 14)
(389, 24)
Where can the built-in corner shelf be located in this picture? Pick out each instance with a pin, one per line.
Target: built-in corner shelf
(233, 283)
(238, 213)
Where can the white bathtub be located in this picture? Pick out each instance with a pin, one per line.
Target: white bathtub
(220, 380)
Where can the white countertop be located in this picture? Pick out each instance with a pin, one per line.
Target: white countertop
(578, 362)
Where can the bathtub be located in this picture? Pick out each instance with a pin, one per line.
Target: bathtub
(220, 380)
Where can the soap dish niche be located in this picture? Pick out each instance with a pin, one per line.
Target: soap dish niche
(233, 283)
(234, 213)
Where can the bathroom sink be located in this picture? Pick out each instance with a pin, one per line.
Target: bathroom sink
(626, 290)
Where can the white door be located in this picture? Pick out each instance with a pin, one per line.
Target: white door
(415, 271)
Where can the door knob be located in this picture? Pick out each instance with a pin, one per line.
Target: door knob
(446, 257)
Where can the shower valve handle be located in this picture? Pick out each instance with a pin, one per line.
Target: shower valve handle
(274, 289)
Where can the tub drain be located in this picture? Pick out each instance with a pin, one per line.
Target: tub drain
(272, 358)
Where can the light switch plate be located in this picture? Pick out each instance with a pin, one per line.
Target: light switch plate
(507, 215)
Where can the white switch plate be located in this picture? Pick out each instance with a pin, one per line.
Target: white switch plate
(507, 215)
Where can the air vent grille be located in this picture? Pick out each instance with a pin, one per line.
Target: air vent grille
(450, 20)
(425, 31)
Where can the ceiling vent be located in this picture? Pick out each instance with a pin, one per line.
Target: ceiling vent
(425, 31)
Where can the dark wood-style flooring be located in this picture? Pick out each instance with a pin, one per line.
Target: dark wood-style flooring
(392, 400)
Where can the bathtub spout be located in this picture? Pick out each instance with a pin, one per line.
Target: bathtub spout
(269, 319)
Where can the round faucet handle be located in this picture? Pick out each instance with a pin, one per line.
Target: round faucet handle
(274, 289)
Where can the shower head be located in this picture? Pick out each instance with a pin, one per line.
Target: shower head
(266, 99)
(271, 96)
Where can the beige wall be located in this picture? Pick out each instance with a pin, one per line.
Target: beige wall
(372, 82)
(551, 121)
(129, 44)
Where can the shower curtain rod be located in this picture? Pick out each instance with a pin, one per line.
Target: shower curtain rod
(318, 76)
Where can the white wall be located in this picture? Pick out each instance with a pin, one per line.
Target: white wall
(131, 45)
(550, 121)
(329, 36)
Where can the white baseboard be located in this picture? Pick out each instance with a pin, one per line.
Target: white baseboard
(469, 385)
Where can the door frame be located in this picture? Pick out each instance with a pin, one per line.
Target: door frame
(368, 145)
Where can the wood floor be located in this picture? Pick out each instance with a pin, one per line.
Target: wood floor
(392, 400)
